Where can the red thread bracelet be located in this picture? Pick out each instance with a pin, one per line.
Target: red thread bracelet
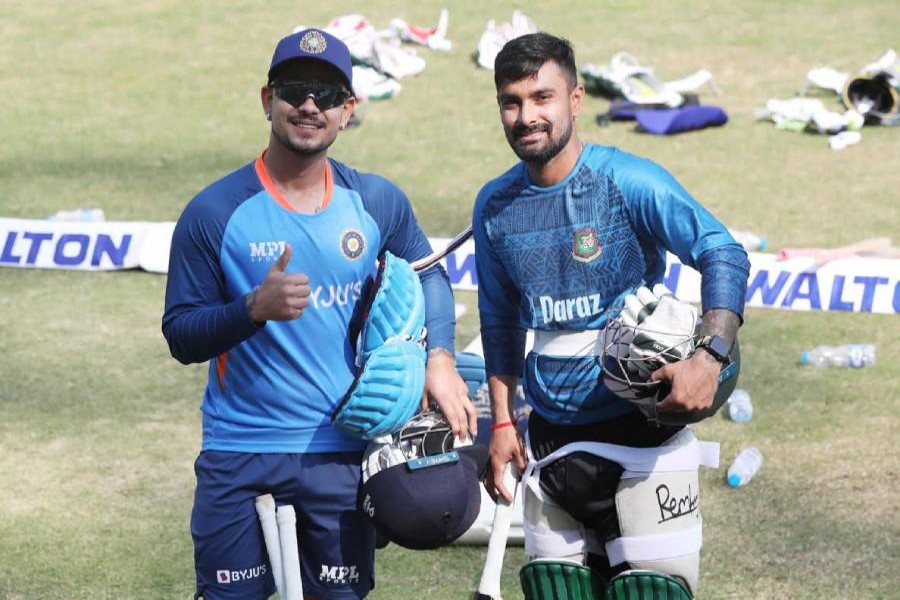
(497, 426)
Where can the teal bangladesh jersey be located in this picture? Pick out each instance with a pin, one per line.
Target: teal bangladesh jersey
(274, 388)
(562, 258)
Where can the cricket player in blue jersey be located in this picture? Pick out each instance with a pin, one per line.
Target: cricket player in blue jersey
(565, 239)
(268, 266)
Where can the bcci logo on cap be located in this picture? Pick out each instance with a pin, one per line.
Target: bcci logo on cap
(313, 43)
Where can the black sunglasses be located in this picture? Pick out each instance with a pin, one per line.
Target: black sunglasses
(325, 95)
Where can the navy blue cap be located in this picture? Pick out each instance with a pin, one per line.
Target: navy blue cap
(430, 507)
(314, 44)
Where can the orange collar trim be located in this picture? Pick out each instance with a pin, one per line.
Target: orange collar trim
(263, 173)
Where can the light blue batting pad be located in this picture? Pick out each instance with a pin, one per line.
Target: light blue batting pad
(398, 307)
(386, 393)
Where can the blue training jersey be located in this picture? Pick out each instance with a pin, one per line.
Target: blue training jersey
(562, 257)
(274, 388)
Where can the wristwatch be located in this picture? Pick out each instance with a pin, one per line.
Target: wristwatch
(716, 346)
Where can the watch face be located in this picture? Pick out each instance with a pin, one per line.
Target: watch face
(717, 347)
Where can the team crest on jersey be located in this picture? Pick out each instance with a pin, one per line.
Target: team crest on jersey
(313, 43)
(352, 244)
(586, 246)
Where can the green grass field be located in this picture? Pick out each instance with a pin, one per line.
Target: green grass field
(135, 106)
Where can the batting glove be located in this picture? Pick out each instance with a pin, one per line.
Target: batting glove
(663, 325)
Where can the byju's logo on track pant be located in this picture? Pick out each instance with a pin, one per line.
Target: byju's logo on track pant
(227, 576)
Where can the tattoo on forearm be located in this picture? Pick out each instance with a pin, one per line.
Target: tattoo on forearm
(251, 301)
(721, 322)
(440, 352)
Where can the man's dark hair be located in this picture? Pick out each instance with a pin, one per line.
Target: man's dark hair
(524, 56)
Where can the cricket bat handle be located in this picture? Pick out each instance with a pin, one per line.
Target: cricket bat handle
(489, 586)
(265, 508)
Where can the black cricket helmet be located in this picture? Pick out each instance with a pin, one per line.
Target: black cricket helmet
(629, 377)
(421, 485)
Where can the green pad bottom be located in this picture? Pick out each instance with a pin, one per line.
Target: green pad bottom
(560, 580)
(646, 585)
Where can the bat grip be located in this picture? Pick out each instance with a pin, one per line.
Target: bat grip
(489, 586)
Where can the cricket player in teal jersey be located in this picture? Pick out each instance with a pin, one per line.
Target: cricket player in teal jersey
(562, 240)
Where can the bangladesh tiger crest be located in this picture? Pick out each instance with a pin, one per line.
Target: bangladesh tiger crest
(586, 246)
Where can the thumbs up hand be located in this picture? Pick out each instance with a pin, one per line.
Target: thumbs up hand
(282, 296)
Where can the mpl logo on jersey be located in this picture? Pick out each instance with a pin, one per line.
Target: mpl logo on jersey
(339, 574)
(233, 576)
(266, 251)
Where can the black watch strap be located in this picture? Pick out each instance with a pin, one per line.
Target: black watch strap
(716, 346)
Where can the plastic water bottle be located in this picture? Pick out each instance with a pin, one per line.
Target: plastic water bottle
(82, 215)
(744, 467)
(855, 356)
(740, 408)
(750, 241)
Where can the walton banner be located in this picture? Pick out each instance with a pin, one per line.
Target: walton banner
(870, 285)
(866, 285)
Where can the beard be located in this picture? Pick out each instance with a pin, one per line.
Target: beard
(303, 147)
(540, 154)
